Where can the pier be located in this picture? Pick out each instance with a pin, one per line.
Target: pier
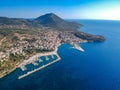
(34, 63)
(52, 56)
(23, 68)
(40, 60)
(46, 58)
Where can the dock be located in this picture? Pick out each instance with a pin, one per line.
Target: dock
(52, 56)
(34, 63)
(46, 58)
(23, 68)
(40, 60)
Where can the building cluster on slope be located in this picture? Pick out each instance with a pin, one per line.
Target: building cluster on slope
(44, 41)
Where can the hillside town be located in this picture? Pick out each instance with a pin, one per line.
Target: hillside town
(24, 38)
(43, 42)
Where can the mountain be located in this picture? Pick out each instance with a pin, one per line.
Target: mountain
(48, 20)
(45, 22)
(52, 20)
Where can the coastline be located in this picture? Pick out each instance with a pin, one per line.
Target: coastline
(33, 58)
(8, 72)
(5, 74)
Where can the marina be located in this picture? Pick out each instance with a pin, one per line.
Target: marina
(40, 61)
(43, 66)
(43, 59)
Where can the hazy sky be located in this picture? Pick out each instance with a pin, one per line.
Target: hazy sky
(74, 9)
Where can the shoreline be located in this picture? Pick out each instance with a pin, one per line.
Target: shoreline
(34, 57)
(5, 74)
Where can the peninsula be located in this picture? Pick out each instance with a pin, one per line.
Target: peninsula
(21, 40)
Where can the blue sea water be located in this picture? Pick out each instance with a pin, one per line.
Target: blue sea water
(98, 68)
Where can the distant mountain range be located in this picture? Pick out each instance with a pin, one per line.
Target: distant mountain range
(48, 20)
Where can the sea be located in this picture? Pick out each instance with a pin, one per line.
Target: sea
(98, 68)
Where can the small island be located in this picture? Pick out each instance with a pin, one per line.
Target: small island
(22, 41)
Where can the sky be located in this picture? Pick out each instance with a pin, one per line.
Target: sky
(68, 9)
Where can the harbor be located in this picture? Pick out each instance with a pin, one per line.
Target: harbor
(36, 60)
(42, 67)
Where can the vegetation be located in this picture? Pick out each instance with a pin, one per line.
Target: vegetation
(7, 65)
(89, 37)
(31, 40)
(16, 57)
(15, 38)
